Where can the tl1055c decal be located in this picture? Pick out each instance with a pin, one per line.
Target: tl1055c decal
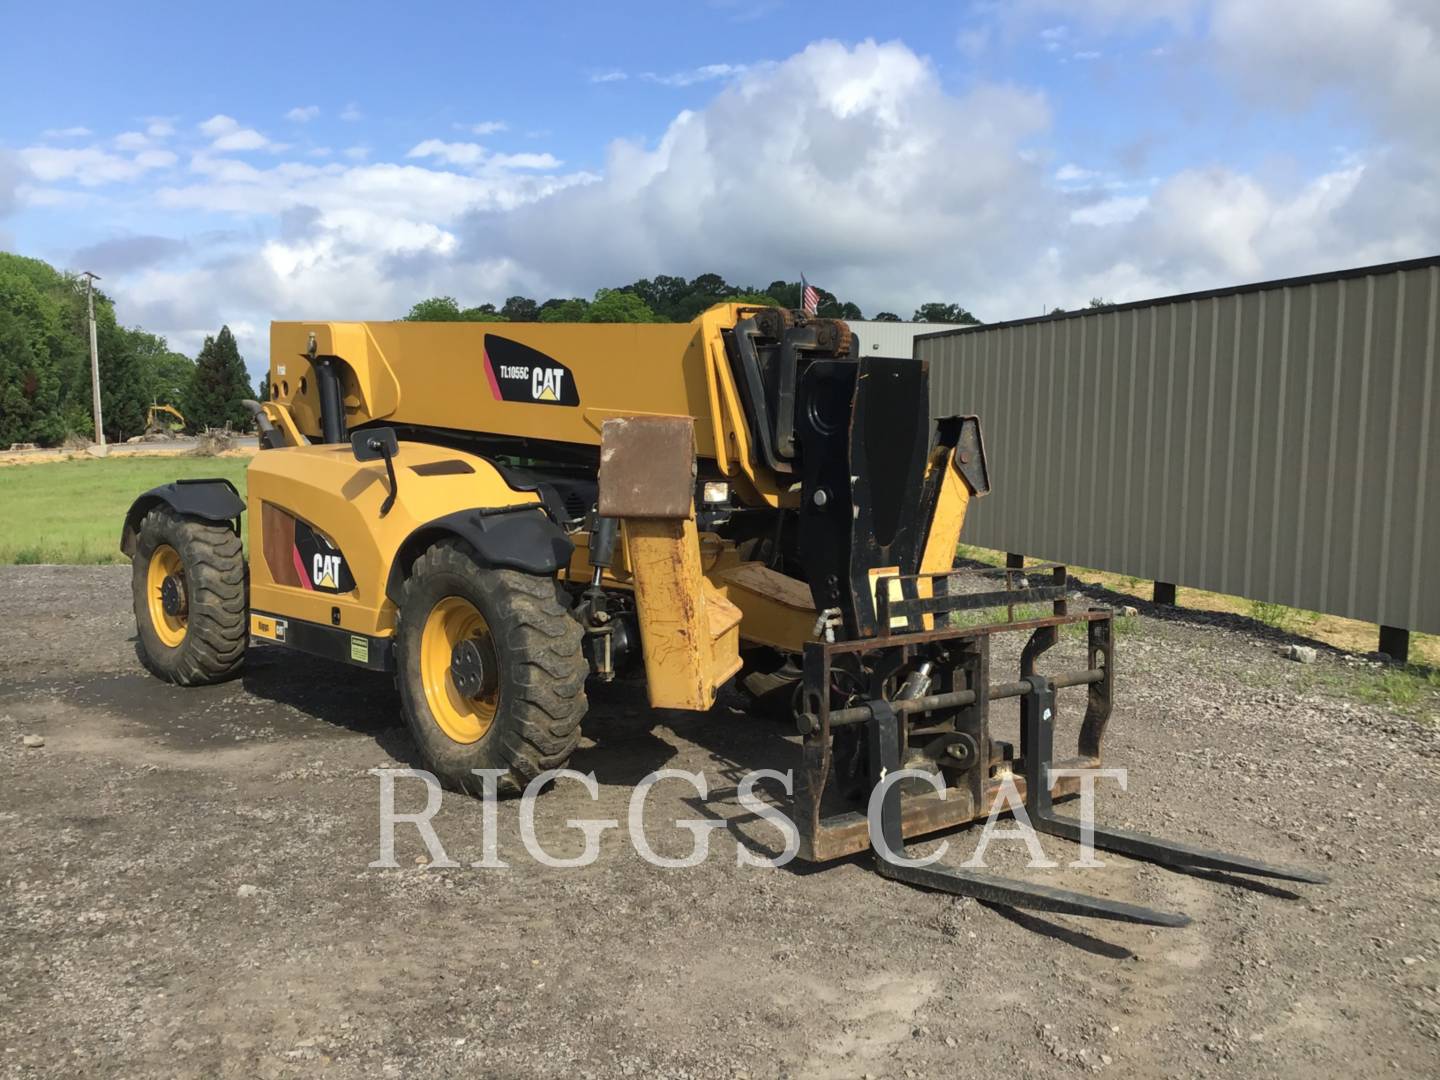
(519, 373)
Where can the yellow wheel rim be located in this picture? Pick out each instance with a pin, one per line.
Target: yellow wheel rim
(170, 625)
(453, 622)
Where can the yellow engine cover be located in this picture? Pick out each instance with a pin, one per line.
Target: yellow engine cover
(318, 542)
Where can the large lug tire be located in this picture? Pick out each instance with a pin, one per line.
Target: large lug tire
(189, 586)
(516, 698)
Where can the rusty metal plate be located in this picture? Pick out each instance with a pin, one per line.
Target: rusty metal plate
(647, 467)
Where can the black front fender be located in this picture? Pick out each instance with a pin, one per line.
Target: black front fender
(514, 539)
(210, 500)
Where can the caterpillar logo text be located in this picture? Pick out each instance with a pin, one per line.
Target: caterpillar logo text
(326, 572)
(519, 373)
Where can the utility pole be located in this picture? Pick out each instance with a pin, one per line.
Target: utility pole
(90, 280)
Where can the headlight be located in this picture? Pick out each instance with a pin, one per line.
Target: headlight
(715, 492)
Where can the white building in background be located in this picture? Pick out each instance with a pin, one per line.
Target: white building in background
(894, 338)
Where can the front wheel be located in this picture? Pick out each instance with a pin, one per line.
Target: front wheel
(189, 590)
(491, 672)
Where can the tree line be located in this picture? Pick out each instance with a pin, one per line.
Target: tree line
(45, 393)
(45, 353)
(667, 299)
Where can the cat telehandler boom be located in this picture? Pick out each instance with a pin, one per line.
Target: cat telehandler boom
(497, 512)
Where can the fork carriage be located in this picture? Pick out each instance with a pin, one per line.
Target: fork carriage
(922, 702)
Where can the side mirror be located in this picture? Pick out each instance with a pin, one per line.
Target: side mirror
(373, 444)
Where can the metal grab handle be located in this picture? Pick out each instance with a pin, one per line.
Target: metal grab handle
(382, 447)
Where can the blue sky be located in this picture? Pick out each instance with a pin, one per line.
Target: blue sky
(341, 160)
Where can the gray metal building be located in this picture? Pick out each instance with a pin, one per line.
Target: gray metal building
(893, 338)
(1278, 441)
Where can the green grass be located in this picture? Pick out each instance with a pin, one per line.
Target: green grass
(1288, 620)
(1410, 688)
(71, 511)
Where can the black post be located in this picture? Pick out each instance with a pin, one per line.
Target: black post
(1165, 592)
(1014, 561)
(1395, 643)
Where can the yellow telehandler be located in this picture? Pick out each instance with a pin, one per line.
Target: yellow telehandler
(498, 512)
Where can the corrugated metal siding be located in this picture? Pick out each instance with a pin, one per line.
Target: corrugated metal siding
(1280, 443)
(893, 338)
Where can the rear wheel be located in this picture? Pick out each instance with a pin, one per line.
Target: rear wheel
(490, 670)
(189, 590)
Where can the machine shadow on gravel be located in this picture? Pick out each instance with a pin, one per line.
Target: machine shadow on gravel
(361, 702)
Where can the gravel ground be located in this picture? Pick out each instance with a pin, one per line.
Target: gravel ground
(185, 889)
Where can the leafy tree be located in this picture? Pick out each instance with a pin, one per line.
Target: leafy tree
(887, 316)
(520, 309)
(29, 389)
(125, 379)
(709, 285)
(220, 384)
(758, 299)
(52, 369)
(662, 293)
(944, 313)
(447, 309)
(435, 309)
(483, 313)
(616, 306)
(572, 310)
(168, 372)
(262, 386)
(45, 390)
(1099, 301)
(786, 292)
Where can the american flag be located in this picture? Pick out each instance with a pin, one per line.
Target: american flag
(809, 297)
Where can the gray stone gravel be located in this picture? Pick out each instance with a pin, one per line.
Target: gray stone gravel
(185, 889)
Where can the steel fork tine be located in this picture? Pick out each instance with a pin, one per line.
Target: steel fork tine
(1037, 711)
(885, 759)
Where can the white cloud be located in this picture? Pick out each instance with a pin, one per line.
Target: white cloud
(303, 114)
(485, 127)
(159, 127)
(1113, 211)
(91, 166)
(705, 73)
(609, 76)
(132, 140)
(227, 135)
(67, 133)
(854, 160)
(351, 113)
(525, 161)
(12, 174)
(244, 139)
(858, 164)
(411, 193)
(155, 159)
(448, 153)
(473, 155)
(1071, 173)
(1381, 54)
(218, 125)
